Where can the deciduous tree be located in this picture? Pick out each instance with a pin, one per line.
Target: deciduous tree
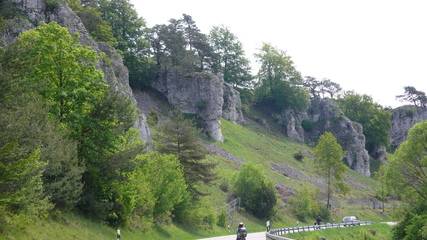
(329, 155)
(230, 59)
(375, 119)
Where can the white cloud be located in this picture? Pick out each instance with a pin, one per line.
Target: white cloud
(374, 47)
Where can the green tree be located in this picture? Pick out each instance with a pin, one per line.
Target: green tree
(130, 31)
(406, 171)
(25, 120)
(127, 26)
(153, 189)
(178, 137)
(280, 84)
(62, 176)
(197, 42)
(230, 59)
(381, 192)
(414, 96)
(99, 29)
(22, 196)
(329, 87)
(166, 177)
(256, 193)
(313, 85)
(329, 155)
(53, 63)
(106, 157)
(181, 44)
(376, 120)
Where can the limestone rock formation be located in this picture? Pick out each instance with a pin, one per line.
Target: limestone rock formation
(403, 119)
(199, 93)
(115, 72)
(325, 115)
(291, 121)
(232, 108)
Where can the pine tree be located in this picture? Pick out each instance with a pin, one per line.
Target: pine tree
(178, 136)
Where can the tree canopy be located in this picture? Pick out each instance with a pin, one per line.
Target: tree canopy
(328, 159)
(256, 193)
(178, 137)
(375, 119)
(414, 96)
(230, 59)
(279, 83)
(320, 88)
(406, 176)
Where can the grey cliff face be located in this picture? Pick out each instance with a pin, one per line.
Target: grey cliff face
(232, 108)
(196, 93)
(326, 116)
(115, 72)
(291, 121)
(403, 119)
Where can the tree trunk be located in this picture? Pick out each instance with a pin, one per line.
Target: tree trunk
(328, 204)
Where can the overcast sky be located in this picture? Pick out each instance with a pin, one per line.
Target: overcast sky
(374, 47)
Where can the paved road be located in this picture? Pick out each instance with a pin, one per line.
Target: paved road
(251, 236)
(261, 235)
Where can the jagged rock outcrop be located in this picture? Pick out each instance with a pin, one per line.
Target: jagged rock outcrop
(403, 119)
(115, 72)
(291, 122)
(232, 107)
(199, 93)
(325, 115)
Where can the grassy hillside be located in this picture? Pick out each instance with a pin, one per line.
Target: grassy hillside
(250, 143)
(254, 144)
(373, 232)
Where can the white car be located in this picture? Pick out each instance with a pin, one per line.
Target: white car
(350, 220)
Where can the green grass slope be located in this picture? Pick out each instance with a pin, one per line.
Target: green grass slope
(250, 143)
(267, 148)
(373, 232)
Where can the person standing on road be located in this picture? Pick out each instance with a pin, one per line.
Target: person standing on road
(118, 234)
(318, 221)
(241, 232)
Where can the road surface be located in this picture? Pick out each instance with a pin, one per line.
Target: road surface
(251, 236)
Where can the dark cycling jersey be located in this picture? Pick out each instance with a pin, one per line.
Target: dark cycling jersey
(241, 233)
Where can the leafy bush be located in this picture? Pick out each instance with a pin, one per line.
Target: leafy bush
(198, 214)
(222, 219)
(417, 228)
(152, 119)
(98, 28)
(224, 185)
(307, 125)
(257, 194)
(153, 189)
(413, 224)
(304, 205)
(52, 5)
(299, 156)
(324, 213)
